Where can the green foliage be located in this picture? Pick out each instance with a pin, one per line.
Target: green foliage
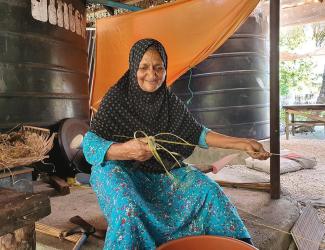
(282, 116)
(292, 39)
(295, 74)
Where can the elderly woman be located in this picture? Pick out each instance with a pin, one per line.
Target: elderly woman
(143, 206)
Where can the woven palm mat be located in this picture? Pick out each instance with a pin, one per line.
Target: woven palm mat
(308, 231)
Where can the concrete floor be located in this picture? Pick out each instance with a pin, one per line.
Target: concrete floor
(82, 202)
(260, 214)
(255, 207)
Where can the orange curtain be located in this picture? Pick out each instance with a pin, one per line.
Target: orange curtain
(190, 30)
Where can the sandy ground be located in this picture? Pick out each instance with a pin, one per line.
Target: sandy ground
(307, 183)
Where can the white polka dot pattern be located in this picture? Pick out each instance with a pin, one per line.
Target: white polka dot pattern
(126, 108)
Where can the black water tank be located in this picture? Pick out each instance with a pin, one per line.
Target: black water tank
(231, 87)
(43, 62)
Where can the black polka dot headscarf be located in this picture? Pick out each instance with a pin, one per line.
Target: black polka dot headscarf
(126, 108)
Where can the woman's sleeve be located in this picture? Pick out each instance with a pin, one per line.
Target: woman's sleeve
(202, 140)
(94, 148)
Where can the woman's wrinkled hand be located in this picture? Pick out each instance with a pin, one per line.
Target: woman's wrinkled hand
(255, 150)
(137, 149)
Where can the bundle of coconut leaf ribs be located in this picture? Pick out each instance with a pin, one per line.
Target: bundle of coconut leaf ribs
(25, 146)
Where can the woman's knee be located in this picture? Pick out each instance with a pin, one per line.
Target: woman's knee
(108, 175)
(208, 184)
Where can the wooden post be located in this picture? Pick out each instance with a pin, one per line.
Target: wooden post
(293, 124)
(274, 98)
(287, 124)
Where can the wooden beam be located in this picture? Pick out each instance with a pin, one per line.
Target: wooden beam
(274, 98)
(18, 210)
(131, 1)
(15, 172)
(292, 3)
(310, 116)
(115, 4)
(303, 14)
(55, 232)
(287, 56)
(60, 185)
(261, 186)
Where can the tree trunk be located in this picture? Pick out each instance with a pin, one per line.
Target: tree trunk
(321, 97)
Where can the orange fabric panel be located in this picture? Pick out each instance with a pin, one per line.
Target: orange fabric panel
(190, 30)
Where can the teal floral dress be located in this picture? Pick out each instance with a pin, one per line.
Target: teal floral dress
(144, 210)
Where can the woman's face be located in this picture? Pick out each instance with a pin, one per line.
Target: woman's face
(151, 73)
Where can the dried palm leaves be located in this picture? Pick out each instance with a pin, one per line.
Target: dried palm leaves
(24, 147)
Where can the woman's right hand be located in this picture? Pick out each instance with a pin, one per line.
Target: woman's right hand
(137, 149)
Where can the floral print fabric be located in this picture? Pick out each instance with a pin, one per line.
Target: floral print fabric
(144, 210)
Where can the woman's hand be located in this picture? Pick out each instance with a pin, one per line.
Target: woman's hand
(250, 146)
(256, 150)
(137, 149)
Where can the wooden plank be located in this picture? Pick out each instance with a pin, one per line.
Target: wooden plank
(10, 167)
(7, 195)
(60, 185)
(17, 179)
(303, 14)
(115, 4)
(306, 123)
(310, 116)
(291, 3)
(315, 120)
(131, 1)
(44, 188)
(262, 186)
(322, 246)
(55, 232)
(6, 173)
(288, 56)
(316, 107)
(20, 209)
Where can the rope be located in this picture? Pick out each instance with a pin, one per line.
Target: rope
(280, 230)
(188, 102)
(273, 228)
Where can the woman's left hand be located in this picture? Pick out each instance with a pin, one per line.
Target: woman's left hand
(256, 150)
